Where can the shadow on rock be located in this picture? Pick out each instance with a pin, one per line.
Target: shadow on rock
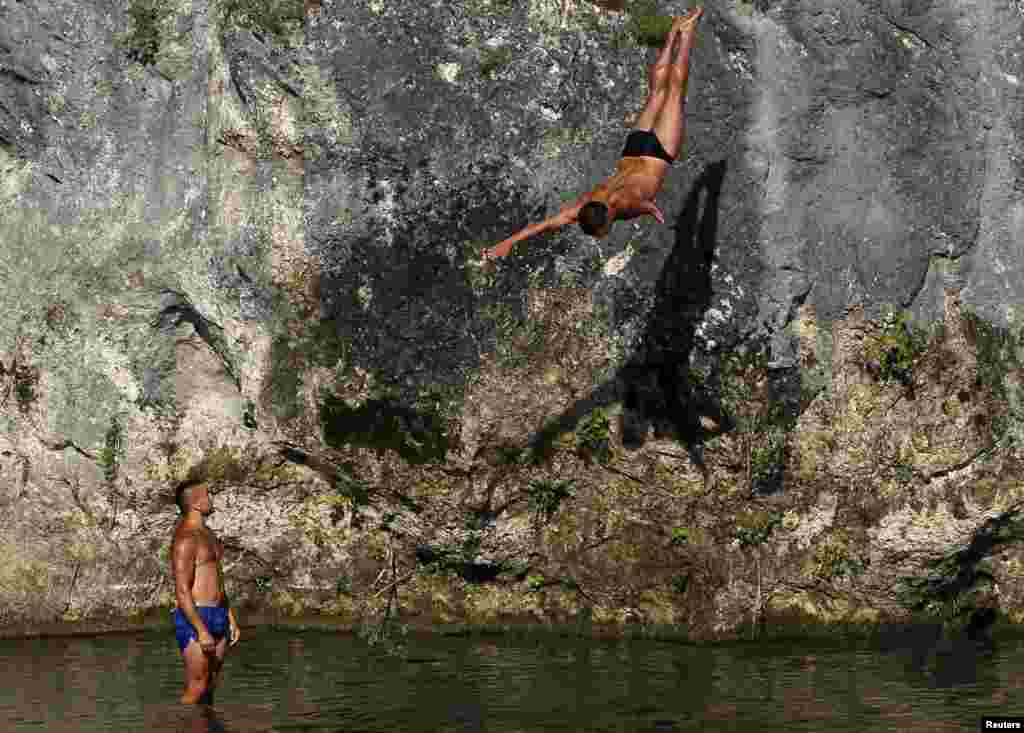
(654, 385)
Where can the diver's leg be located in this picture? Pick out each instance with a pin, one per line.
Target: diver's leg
(669, 124)
(658, 75)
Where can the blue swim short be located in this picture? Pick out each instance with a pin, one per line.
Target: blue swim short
(215, 618)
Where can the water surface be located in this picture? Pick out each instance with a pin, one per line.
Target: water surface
(321, 681)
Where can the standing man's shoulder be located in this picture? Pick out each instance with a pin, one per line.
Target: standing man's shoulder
(183, 532)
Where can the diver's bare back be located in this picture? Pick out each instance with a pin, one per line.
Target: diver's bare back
(208, 584)
(639, 177)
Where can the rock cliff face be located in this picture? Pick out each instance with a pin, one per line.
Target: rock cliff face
(241, 245)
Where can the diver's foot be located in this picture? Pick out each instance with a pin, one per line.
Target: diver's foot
(687, 23)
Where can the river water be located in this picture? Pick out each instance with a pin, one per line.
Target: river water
(277, 680)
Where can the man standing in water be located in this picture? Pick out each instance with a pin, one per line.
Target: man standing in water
(203, 618)
(650, 149)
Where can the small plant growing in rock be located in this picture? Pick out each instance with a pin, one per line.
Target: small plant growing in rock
(762, 421)
(535, 582)
(900, 344)
(680, 537)
(832, 560)
(143, 40)
(55, 103)
(758, 532)
(904, 473)
(767, 462)
(596, 325)
(479, 275)
(545, 496)
(509, 455)
(492, 59)
(646, 25)
(737, 387)
(112, 450)
(744, 8)
(24, 388)
(515, 339)
(280, 19)
(680, 583)
(592, 437)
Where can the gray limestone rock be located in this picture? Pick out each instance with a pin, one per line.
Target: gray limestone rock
(314, 208)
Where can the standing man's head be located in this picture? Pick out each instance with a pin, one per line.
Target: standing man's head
(193, 496)
(595, 219)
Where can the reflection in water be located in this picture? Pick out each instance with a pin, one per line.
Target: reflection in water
(300, 663)
(203, 720)
(178, 718)
(278, 681)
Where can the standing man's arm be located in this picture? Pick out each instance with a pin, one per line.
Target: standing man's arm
(184, 560)
(236, 633)
(233, 622)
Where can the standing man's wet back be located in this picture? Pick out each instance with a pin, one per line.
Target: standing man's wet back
(203, 620)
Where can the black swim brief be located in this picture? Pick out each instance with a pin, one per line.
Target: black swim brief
(645, 142)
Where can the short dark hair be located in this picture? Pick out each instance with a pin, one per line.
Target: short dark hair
(593, 217)
(179, 493)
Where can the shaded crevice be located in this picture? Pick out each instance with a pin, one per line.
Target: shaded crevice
(21, 76)
(432, 558)
(341, 475)
(177, 309)
(59, 445)
(958, 467)
(909, 32)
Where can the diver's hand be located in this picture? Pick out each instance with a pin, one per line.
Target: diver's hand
(653, 210)
(236, 633)
(501, 249)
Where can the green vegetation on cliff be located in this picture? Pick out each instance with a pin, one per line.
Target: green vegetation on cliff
(960, 584)
(762, 421)
(112, 452)
(999, 355)
(143, 39)
(516, 339)
(901, 343)
(592, 436)
(280, 19)
(646, 25)
(385, 425)
(546, 495)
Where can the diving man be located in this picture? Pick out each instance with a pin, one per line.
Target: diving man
(650, 149)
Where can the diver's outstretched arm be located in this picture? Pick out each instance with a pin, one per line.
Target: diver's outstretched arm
(563, 217)
(505, 246)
